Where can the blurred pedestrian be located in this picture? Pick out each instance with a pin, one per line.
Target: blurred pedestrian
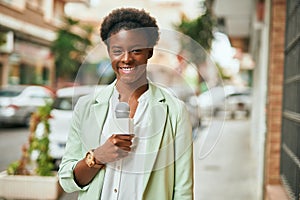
(156, 162)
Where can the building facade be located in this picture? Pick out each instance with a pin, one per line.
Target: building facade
(281, 141)
(290, 112)
(274, 44)
(28, 28)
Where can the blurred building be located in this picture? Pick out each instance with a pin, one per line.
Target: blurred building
(269, 31)
(28, 28)
(246, 23)
(282, 163)
(234, 20)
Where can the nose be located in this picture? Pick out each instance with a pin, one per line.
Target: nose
(126, 57)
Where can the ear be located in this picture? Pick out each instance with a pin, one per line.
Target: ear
(150, 53)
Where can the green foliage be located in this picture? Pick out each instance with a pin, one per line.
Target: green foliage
(69, 48)
(13, 167)
(201, 31)
(38, 143)
(41, 143)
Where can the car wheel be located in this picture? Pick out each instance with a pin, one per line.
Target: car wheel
(56, 163)
(247, 113)
(27, 120)
(216, 111)
(232, 115)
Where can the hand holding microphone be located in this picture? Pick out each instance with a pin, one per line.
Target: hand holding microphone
(119, 143)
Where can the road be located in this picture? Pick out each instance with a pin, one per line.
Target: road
(11, 141)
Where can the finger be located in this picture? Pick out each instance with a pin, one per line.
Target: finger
(123, 143)
(114, 141)
(125, 148)
(120, 142)
(124, 136)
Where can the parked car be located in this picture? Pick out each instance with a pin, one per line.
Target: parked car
(18, 102)
(209, 99)
(228, 99)
(61, 115)
(238, 102)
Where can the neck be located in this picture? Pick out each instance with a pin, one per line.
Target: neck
(129, 92)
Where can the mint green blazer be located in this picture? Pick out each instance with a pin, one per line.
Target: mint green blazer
(169, 173)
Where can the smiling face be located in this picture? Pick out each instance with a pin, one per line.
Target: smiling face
(129, 53)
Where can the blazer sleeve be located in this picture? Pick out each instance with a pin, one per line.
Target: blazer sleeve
(73, 154)
(184, 180)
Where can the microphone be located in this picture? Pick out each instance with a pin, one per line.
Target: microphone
(122, 110)
(121, 123)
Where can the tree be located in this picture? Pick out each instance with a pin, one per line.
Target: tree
(194, 48)
(70, 48)
(201, 31)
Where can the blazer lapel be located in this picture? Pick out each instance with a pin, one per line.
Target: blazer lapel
(97, 117)
(158, 117)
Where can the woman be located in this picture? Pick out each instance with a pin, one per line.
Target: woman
(156, 162)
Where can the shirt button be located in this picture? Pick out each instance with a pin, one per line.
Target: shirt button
(115, 190)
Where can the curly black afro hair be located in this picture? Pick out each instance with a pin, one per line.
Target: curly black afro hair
(128, 19)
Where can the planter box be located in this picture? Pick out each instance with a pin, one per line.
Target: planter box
(29, 187)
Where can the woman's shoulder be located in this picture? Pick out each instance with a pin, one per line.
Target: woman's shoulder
(100, 93)
(168, 95)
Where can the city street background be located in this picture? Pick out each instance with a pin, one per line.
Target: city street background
(254, 45)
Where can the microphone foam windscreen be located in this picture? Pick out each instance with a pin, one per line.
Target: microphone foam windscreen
(122, 110)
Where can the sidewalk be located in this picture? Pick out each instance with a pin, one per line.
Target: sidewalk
(228, 172)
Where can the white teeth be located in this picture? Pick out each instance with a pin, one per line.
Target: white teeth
(127, 68)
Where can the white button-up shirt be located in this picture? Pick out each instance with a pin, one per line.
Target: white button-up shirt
(124, 179)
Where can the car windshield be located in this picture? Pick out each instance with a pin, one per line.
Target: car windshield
(9, 93)
(242, 94)
(65, 103)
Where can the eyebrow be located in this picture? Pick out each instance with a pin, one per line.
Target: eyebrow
(139, 46)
